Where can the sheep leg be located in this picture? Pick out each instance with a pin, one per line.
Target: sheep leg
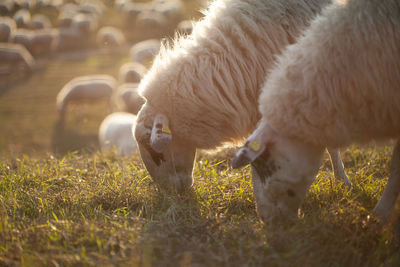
(385, 206)
(337, 166)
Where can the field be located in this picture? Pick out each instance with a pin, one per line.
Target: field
(63, 203)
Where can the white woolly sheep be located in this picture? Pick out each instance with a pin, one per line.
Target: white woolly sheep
(39, 21)
(171, 9)
(110, 37)
(7, 27)
(323, 93)
(86, 23)
(70, 38)
(126, 98)
(131, 72)
(151, 24)
(6, 7)
(22, 37)
(14, 56)
(145, 51)
(22, 18)
(84, 89)
(115, 132)
(91, 7)
(26, 4)
(44, 42)
(204, 90)
(132, 10)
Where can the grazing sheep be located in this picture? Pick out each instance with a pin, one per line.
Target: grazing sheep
(44, 42)
(84, 89)
(66, 15)
(131, 72)
(7, 27)
(26, 4)
(14, 56)
(126, 98)
(132, 10)
(110, 37)
(337, 85)
(22, 37)
(86, 24)
(70, 38)
(22, 18)
(204, 90)
(145, 51)
(91, 7)
(40, 21)
(115, 132)
(6, 7)
(171, 9)
(151, 24)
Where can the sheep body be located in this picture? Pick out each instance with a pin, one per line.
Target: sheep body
(110, 37)
(143, 52)
(22, 18)
(337, 85)
(217, 72)
(354, 98)
(40, 21)
(126, 98)
(85, 88)
(7, 27)
(115, 132)
(14, 55)
(131, 72)
(208, 83)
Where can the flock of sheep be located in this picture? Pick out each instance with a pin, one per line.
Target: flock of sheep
(302, 75)
(323, 73)
(27, 32)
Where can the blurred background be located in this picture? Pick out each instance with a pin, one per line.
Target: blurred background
(69, 69)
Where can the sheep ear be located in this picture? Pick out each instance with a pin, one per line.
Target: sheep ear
(161, 135)
(255, 145)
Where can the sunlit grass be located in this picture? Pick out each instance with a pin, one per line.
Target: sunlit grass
(100, 209)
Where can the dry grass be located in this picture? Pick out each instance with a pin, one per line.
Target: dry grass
(64, 204)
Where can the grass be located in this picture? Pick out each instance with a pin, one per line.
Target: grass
(95, 209)
(62, 203)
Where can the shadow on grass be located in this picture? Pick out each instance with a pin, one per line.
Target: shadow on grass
(67, 140)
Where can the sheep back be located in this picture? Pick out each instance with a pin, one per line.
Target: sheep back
(339, 83)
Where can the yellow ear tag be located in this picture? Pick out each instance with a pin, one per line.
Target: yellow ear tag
(254, 145)
(166, 129)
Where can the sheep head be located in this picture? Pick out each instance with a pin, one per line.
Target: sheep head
(169, 160)
(282, 169)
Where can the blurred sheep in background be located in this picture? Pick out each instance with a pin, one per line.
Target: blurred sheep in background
(38, 42)
(131, 72)
(39, 21)
(14, 57)
(44, 42)
(6, 6)
(22, 18)
(145, 51)
(126, 98)
(7, 27)
(85, 89)
(115, 132)
(110, 37)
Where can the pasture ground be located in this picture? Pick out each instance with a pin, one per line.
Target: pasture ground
(62, 203)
